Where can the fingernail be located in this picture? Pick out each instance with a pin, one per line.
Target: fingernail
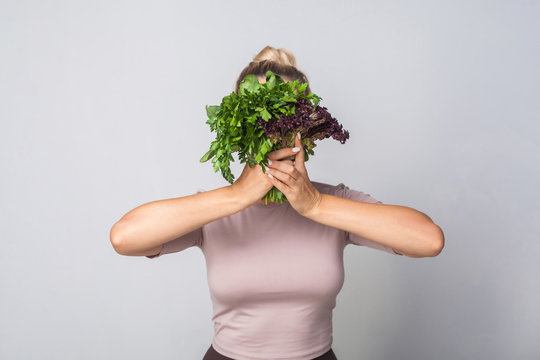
(269, 162)
(270, 176)
(299, 137)
(296, 149)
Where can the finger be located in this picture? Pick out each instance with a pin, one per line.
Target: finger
(284, 166)
(282, 153)
(279, 184)
(299, 159)
(285, 178)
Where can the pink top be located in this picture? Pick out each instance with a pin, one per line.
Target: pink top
(273, 277)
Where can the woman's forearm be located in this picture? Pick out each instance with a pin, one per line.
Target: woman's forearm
(406, 230)
(157, 222)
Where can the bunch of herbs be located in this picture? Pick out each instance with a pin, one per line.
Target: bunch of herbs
(262, 118)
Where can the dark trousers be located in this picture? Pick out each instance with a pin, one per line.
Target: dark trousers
(212, 354)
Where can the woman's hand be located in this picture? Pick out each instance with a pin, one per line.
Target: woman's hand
(292, 178)
(252, 185)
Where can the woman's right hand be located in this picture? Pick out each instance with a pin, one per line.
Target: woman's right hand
(252, 185)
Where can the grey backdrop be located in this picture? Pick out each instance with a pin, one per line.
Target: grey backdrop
(102, 110)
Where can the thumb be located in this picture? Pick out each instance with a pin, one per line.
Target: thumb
(299, 158)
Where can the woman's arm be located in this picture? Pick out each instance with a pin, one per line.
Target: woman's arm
(406, 230)
(144, 229)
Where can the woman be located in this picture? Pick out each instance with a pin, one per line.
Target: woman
(274, 270)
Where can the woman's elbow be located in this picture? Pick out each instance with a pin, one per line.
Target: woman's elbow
(436, 241)
(116, 238)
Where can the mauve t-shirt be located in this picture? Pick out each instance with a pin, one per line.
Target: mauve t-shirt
(273, 277)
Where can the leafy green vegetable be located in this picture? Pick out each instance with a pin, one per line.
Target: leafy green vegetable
(263, 118)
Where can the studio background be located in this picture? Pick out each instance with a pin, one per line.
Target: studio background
(103, 109)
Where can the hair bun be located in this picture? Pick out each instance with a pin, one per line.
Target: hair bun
(280, 61)
(281, 56)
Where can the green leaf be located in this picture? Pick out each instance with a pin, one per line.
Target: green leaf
(212, 111)
(249, 83)
(265, 115)
(273, 80)
(208, 155)
(289, 98)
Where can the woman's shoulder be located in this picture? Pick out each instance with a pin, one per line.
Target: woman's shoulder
(342, 190)
(328, 188)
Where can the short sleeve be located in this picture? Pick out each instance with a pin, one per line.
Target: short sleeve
(350, 238)
(183, 242)
(193, 238)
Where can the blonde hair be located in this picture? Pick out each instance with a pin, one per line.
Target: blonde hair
(279, 61)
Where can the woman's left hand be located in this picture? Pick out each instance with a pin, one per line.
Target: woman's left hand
(291, 178)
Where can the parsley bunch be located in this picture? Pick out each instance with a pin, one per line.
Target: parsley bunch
(263, 118)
